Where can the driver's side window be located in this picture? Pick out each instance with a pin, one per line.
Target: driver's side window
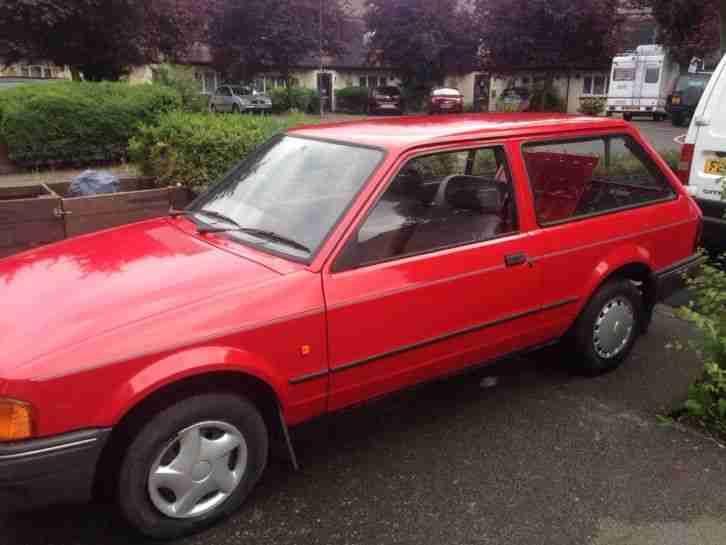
(437, 201)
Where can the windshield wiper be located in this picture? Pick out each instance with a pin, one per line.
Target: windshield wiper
(261, 233)
(211, 213)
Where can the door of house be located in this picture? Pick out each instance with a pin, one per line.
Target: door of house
(325, 88)
(481, 92)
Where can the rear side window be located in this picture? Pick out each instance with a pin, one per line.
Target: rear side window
(624, 74)
(584, 177)
(652, 75)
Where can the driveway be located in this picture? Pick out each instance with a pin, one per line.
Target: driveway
(540, 457)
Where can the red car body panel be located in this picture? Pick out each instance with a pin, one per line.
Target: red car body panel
(94, 325)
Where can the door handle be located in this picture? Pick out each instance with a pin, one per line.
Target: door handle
(512, 260)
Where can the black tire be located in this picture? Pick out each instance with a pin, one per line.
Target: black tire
(236, 110)
(614, 293)
(628, 117)
(677, 120)
(133, 494)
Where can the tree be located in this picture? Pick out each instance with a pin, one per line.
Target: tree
(100, 38)
(687, 28)
(542, 33)
(252, 36)
(422, 39)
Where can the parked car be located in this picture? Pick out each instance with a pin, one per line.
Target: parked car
(703, 159)
(386, 99)
(684, 99)
(516, 99)
(446, 101)
(239, 99)
(335, 264)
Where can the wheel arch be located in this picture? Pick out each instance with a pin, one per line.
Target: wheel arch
(157, 397)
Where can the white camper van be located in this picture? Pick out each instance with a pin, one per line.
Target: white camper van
(640, 82)
(703, 159)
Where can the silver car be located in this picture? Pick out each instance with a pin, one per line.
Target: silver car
(239, 99)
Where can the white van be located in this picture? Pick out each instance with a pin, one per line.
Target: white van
(703, 158)
(640, 82)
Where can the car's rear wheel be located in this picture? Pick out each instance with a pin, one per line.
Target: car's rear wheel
(192, 464)
(607, 329)
(236, 110)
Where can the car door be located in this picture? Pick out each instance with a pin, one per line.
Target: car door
(434, 277)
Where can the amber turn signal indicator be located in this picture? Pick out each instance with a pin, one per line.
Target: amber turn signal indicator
(16, 420)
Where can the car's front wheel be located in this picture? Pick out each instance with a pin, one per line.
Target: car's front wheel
(606, 330)
(192, 464)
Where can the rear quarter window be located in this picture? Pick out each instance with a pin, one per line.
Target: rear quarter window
(572, 179)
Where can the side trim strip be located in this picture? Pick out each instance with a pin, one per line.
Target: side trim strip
(447, 336)
(48, 449)
(681, 266)
(308, 377)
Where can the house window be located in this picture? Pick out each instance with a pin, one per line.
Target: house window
(362, 82)
(47, 72)
(593, 85)
(25, 71)
(36, 71)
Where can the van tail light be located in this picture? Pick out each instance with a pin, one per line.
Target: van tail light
(684, 166)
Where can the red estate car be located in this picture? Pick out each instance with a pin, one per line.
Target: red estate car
(445, 101)
(337, 263)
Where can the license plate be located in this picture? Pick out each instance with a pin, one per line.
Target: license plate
(715, 166)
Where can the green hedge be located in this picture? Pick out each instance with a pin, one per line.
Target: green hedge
(73, 123)
(295, 99)
(352, 100)
(196, 150)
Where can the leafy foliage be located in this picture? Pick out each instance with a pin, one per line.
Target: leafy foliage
(99, 38)
(423, 39)
(196, 150)
(545, 98)
(182, 80)
(593, 105)
(250, 36)
(689, 29)
(78, 123)
(295, 99)
(352, 99)
(707, 397)
(540, 33)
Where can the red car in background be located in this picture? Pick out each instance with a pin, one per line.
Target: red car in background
(445, 100)
(155, 363)
(386, 99)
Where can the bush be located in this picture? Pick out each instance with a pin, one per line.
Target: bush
(196, 150)
(707, 397)
(73, 123)
(353, 100)
(592, 106)
(545, 98)
(182, 80)
(295, 99)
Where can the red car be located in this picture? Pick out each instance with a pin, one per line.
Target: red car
(154, 363)
(446, 101)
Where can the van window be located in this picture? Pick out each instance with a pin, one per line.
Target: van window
(652, 75)
(434, 202)
(576, 178)
(624, 74)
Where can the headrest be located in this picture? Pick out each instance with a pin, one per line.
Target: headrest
(474, 193)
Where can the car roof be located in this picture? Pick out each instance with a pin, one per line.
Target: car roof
(410, 131)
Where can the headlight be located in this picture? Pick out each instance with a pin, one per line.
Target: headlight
(244, 102)
(16, 420)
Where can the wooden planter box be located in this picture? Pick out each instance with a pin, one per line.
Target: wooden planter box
(31, 216)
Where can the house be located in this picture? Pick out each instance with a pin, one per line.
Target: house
(36, 71)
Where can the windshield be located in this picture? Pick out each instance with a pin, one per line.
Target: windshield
(241, 91)
(690, 82)
(624, 74)
(295, 188)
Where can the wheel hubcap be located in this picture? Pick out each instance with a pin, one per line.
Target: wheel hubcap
(198, 470)
(613, 327)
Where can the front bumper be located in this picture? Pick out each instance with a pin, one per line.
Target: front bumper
(670, 280)
(59, 469)
(262, 108)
